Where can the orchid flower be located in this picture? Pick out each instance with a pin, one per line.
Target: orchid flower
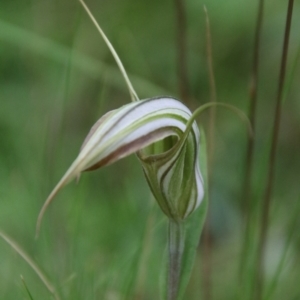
(158, 130)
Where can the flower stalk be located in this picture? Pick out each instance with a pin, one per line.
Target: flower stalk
(176, 237)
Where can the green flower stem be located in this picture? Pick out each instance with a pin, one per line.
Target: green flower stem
(176, 247)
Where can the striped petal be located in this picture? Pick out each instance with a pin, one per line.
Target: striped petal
(174, 177)
(155, 129)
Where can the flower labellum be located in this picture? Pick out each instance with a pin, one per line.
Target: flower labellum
(157, 130)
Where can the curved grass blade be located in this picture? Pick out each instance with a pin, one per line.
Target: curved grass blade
(31, 263)
(132, 92)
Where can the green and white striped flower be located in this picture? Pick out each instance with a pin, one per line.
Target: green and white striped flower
(160, 130)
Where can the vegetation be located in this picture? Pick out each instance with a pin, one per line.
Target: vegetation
(105, 237)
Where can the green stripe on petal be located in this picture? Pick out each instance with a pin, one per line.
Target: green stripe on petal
(175, 178)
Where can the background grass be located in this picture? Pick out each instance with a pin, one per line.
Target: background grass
(104, 238)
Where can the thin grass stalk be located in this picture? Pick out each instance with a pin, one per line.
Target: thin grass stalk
(247, 209)
(213, 93)
(133, 94)
(291, 75)
(272, 159)
(50, 287)
(252, 110)
(291, 231)
(26, 288)
(207, 243)
(146, 248)
(176, 248)
(181, 46)
(207, 260)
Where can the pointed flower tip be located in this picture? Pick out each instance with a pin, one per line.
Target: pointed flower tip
(156, 129)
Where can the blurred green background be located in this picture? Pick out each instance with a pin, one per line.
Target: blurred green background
(105, 237)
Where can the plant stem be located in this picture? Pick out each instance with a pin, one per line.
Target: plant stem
(272, 158)
(246, 203)
(213, 93)
(207, 240)
(176, 247)
(252, 110)
(181, 51)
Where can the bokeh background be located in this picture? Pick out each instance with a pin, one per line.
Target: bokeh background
(105, 237)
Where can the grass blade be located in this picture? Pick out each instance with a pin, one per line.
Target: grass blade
(132, 92)
(26, 288)
(31, 263)
(267, 199)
